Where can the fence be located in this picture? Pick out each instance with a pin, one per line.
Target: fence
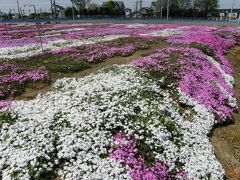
(129, 20)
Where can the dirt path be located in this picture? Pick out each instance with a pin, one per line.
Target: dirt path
(31, 93)
(226, 140)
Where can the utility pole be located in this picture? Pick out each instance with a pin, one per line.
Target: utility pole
(55, 10)
(136, 9)
(52, 8)
(232, 10)
(40, 37)
(140, 3)
(159, 7)
(40, 12)
(18, 9)
(73, 14)
(7, 32)
(168, 4)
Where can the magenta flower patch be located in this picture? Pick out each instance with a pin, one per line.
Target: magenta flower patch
(13, 80)
(125, 150)
(196, 76)
(219, 44)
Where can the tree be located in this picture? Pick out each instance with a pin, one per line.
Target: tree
(178, 8)
(92, 6)
(110, 8)
(184, 4)
(80, 4)
(92, 9)
(206, 7)
(69, 11)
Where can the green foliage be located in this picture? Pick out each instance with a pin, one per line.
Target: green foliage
(110, 7)
(168, 78)
(15, 175)
(7, 117)
(206, 7)
(145, 151)
(188, 8)
(81, 4)
(109, 4)
(69, 11)
(66, 66)
(205, 49)
(177, 5)
(174, 57)
(42, 175)
(6, 72)
(171, 126)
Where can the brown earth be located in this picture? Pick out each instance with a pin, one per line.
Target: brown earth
(226, 139)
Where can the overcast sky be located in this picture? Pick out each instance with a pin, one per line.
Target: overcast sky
(5, 5)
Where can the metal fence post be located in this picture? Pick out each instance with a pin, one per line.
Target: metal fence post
(8, 36)
(40, 37)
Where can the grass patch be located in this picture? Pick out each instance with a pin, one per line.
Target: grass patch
(205, 49)
(65, 66)
(168, 78)
(54, 64)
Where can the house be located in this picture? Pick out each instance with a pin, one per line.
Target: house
(128, 12)
(154, 6)
(120, 6)
(60, 11)
(136, 14)
(2, 15)
(57, 11)
(226, 13)
(157, 7)
(144, 12)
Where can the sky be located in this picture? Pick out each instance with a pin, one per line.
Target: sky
(5, 5)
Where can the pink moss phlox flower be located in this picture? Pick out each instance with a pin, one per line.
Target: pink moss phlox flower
(4, 104)
(13, 78)
(196, 75)
(219, 44)
(125, 150)
(62, 51)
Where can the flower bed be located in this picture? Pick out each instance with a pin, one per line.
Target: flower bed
(76, 127)
(14, 80)
(100, 51)
(219, 44)
(147, 120)
(197, 75)
(26, 51)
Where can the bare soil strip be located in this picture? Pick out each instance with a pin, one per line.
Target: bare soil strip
(226, 139)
